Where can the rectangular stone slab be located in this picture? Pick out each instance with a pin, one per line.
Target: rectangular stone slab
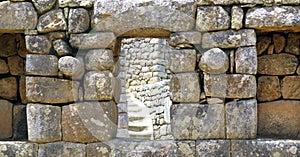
(62, 149)
(17, 148)
(213, 148)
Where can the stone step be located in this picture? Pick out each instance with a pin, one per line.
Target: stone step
(137, 128)
(145, 135)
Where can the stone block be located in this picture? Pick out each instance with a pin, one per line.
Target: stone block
(181, 61)
(213, 148)
(75, 3)
(97, 150)
(61, 47)
(229, 39)
(237, 16)
(214, 61)
(185, 148)
(51, 90)
(79, 20)
(38, 44)
(293, 44)
(279, 119)
(9, 88)
(8, 44)
(197, 121)
(93, 40)
(277, 64)
(16, 65)
(89, 122)
(43, 6)
(241, 119)
(71, 67)
(6, 116)
(17, 148)
(246, 60)
(290, 87)
(62, 149)
(44, 123)
(42, 65)
(51, 21)
(263, 43)
(279, 42)
(20, 122)
(22, 89)
(3, 67)
(100, 59)
(268, 88)
(185, 87)
(185, 39)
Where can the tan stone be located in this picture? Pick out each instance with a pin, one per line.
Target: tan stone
(290, 87)
(268, 88)
(279, 42)
(8, 88)
(6, 116)
(263, 43)
(3, 67)
(22, 89)
(97, 150)
(271, 49)
(8, 45)
(293, 44)
(99, 59)
(38, 44)
(22, 51)
(16, 65)
(93, 40)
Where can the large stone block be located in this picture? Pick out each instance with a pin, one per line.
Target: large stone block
(213, 148)
(100, 59)
(279, 119)
(197, 121)
(276, 18)
(237, 16)
(42, 65)
(52, 21)
(185, 148)
(13, 148)
(246, 60)
(20, 122)
(16, 65)
(51, 90)
(8, 45)
(89, 122)
(214, 61)
(293, 44)
(9, 88)
(6, 116)
(44, 123)
(17, 17)
(185, 39)
(181, 61)
(79, 20)
(290, 87)
(71, 67)
(268, 88)
(3, 67)
(43, 6)
(39, 44)
(185, 87)
(93, 40)
(241, 119)
(97, 150)
(62, 149)
(61, 47)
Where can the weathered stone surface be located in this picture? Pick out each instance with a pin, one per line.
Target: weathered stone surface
(214, 61)
(99, 59)
(229, 39)
(197, 121)
(241, 119)
(16, 65)
(290, 87)
(237, 16)
(246, 60)
(279, 42)
(101, 85)
(185, 148)
(20, 122)
(76, 3)
(6, 114)
(51, 90)
(3, 67)
(8, 45)
(212, 18)
(279, 119)
(213, 148)
(42, 65)
(185, 87)
(39, 44)
(9, 88)
(57, 35)
(185, 39)
(44, 123)
(61, 47)
(181, 61)
(277, 64)
(293, 44)
(62, 149)
(265, 148)
(276, 18)
(79, 20)
(52, 21)
(268, 88)
(71, 67)
(17, 17)
(43, 6)
(13, 148)
(97, 150)
(230, 86)
(92, 40)
(298, 70)
(263, 43)
(22, 89)
(89, 122)
(271, 49)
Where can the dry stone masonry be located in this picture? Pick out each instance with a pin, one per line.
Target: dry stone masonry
(149, 78)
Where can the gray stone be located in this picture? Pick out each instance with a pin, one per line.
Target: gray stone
(52, 21)
(181, 61)
(99, 59)
(276, 18)
(290, 86)
(61, 47)
(214, 61)
(97, 150)
(212, 18)
(246, 60)
(213, 148)
(42, 65)
(263, 43)
(89, 122)
(75, 3)
(268, 88)
(17, 148)
(185, 39)
(185, 148)
(237, 16)
(8, 45)
(93, 40)
(229, 39)
(44, 123)
(197, 121)
(39, 44)
(62, 149)
(17, 17)
(3, 67)
(293, 44)
(20, 123)
(185, 87)
(79, 20)
(51, 90)
(6, 115)
(16, 65)
(9, 88)
(43, 6)
(71, 67)
(241, 119)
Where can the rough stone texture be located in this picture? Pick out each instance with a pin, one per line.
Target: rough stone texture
(101, 85)
(290, 86)
(22, 89)
(230, 86)
(89, 122)
(293, 44)
(185, 148)
(9, 88)
(268, 88)
(100, 59)
(79, 20)
(20, 122)
(197, 121)
(246, 60)
(17, 17)
(51, 90)
(229, 39)
(8, 45)
(277, 64)
(185, 39)
(298, 70)
(185, 87)
(214, 61)
(13, 148)
(212, 18)
(52, 21)
(213, 148)
(276, 18)
(6, 117)
(76, 3)
(265, 148)
(16, 65)
(97, 150)
(43, 6)
(42, 65)
(39, 44)
(271, 49)
(62, 149)
(61, 47)
(279, 42)
(92, 40)
(241, 119)
(237, 15)
(263, 43)
(44, 123)
(3, 67)
(181, 61)
(279, 119)
(71, 67)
